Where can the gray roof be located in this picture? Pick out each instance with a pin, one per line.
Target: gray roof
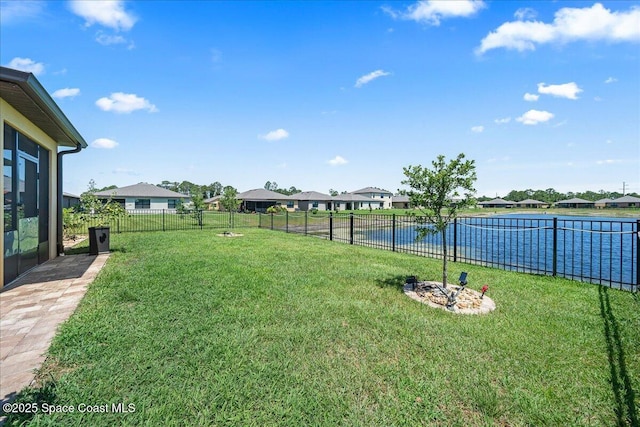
(25, 93)
(142, 189)
(575, 201)
(531, 202)
(400, 199)
(605, 200)
(311, 195)
(627, 199)
(259, 194)
(371, 190)
(350, 197)
(497, 201)
(71, 196)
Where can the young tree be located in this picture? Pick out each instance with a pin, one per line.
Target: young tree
(439, 194)
(229, 201)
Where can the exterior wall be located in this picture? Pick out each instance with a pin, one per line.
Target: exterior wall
(13, 118)
(385, 198)
(307, 205)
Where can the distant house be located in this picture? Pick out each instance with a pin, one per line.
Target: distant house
(497, 203)
(309, 200)
(400, 202)
(70, 200)
(531, 203)
(575, 203)
(625, 202)
(260, 199)
(144, 196)
(213, 203)
(603, 203)
(383, 197)
(351, 201)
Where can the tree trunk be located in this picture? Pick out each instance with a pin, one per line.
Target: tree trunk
(444, 258)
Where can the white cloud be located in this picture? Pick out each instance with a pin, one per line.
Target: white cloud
(533, 117)
(119, 102)
(66, 93)
(107, 39)
(569, 24)
(27, 65)
(104, 143)
(611, 80)
(337, 161)
(477, 129)
(567, 90)
(531, 97)
(275, 135)
(525, 13)
(503, 121)
(433, 11)
(16, 11)
(609, 162)
(108, 13)
(370, 77)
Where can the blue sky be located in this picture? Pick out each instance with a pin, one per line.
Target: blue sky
(339, 95)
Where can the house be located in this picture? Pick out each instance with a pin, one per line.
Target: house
(34, 131)
(260, 199)
(625, 202)
(144, 196)
(383, 197)
(70, 200)
(351, 201)
(575, 203)
(603, 203)
(497, 203)
(310, 200)
(531, 203)
(213, 203)
(400, 202)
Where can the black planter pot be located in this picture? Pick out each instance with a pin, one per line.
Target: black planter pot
(98, 240)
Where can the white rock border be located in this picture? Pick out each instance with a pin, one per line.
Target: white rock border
(487, 305)
(229, 235)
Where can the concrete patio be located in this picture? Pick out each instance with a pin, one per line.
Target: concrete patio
(31, 309)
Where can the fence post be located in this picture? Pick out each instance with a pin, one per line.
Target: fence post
(637, 255)
(163, 228)
(330, 225)
(455, 239)
(393, 233)
(306, 222)
(351, 228)
(554, 268)
(201, 217)
(271, 220)
(259, 220)
(286, 221)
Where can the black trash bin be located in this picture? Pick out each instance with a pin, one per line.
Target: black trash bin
(98, 240)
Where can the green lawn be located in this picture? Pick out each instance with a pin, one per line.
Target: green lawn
(279, 329)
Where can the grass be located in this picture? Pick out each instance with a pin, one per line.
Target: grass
(280, 329)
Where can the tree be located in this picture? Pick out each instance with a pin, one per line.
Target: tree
(93, 208)
(333, 192)
(436, 193)
(229, 201)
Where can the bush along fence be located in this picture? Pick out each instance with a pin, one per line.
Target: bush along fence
(600, 251)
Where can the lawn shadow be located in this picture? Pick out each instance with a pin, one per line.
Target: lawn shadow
(620, 381)
(396, 282)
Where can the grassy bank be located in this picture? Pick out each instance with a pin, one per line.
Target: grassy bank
(279, 329)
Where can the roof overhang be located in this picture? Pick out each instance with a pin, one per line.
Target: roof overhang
(25, 93)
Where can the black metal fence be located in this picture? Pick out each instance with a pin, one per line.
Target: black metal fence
(599, 251)
(603, 251)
